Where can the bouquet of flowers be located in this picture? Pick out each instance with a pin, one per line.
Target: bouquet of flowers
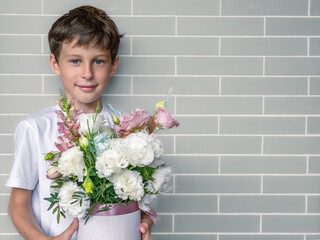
(98, 165)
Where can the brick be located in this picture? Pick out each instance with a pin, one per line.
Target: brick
(192, 164)
(217, 184)
(262, 204)
(216, 223)
(6, 144)
(21, 6)
(291, 145)
(146, 25)
(6, 225)
(313, 125)
(264, 46)
(314, 47)
(313, 204)
(262, 125)
(180, 85)
(129, 103)
(292, 66)
(18, 103)
(264, 7)
(185, 204)
(220, 26)
(219, 105)
(263, 164)
(175, 46)
(183, 236)
(20, 84)
(6, 163)
(292, 105)
(24, 24)
(217, 145)
(314, 164)
(315, 9)
(111, 7)
(261, 237)
(117, 85)
(315, 86)
(291, 184)
(264, 85)
(164, 224)
(3, 189)
(219, 66)
(312, 237)
(4, 201)
(27, 64)
(20, 44)
(146, 65)
(11, 237)
(293, 26)
(292, 224)
(178, 7)
(9, 123)
(195, 125)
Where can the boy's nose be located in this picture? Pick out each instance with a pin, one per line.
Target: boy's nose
(87, 72)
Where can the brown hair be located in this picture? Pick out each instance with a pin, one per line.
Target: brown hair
(88, 25)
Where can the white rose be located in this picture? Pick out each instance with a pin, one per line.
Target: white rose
(128, 184)
(76, 209)
(86, 119)
(110, 161)
(71, 163)
(139, 151)
(161, 178)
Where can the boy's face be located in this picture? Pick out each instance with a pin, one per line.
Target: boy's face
(85, 73)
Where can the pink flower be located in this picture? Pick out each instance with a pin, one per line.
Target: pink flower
(164, 120)
(53, 173)
(64, 144)
(136, 121)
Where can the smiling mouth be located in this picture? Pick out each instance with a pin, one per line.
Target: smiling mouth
(87, 88)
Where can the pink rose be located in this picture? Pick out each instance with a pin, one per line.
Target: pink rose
(164, 120)
(136, 121)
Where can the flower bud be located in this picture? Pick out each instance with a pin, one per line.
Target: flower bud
(53, 173)
(161, 105)
(115, 120)
(88, 185)
(49, 156)
(83, 141)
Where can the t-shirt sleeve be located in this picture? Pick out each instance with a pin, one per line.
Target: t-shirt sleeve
(24, 173)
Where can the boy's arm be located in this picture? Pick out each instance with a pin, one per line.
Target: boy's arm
(25, 221)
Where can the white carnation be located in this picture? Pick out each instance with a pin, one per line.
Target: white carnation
(144, 203)
(161, 178)
(110, 161)
(76, 209)
(128, 184)
(87, 118)
(71, 163)
(139, 151)
(154, 141)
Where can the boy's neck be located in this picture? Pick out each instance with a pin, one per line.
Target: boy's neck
(89, 107)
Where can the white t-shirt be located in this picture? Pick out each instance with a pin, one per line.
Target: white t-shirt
(35, 136)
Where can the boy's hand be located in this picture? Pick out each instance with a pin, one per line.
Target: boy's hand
(67, 234)
(145, 227)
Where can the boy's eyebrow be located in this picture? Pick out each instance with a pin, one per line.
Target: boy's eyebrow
(79, 56)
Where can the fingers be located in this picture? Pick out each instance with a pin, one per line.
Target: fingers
(145, 230)
(67, 234)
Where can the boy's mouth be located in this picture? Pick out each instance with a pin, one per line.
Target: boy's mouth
(87, 88)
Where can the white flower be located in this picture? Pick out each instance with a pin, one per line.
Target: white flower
(71, 163)
(128, 184)
(110, 161)
(87, 118)
(139, 151)
(161, 178)
(66, 193)
(144, 203)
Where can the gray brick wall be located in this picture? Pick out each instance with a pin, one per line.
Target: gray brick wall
(246, 79)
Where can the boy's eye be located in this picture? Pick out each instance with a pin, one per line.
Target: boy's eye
(99, 61)
(75, 61)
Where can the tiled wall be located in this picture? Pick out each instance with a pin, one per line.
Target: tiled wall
(245, 77)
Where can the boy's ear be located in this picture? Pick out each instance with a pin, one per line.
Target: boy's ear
(54, 64)
(114, 66)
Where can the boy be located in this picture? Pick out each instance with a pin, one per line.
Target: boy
(84, 45)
